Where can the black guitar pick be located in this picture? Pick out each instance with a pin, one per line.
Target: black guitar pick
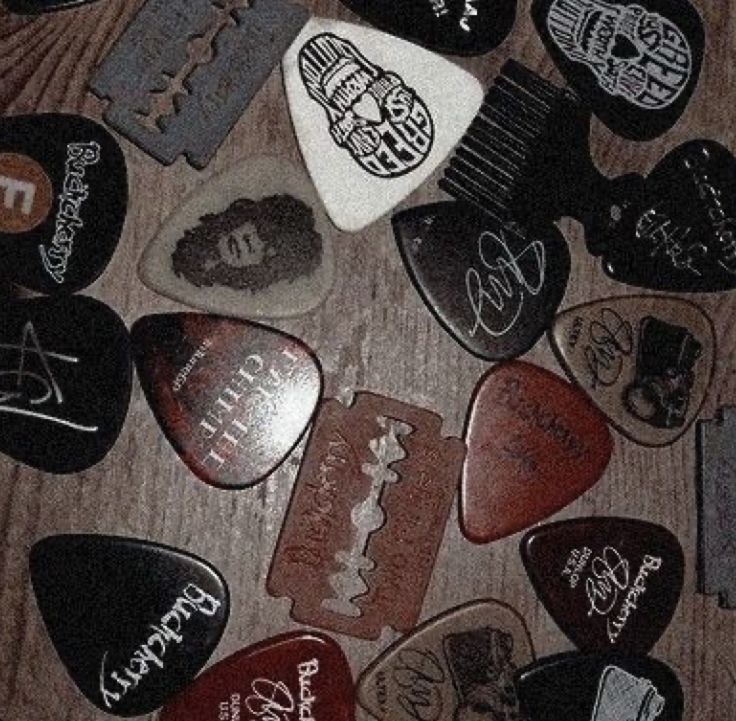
(133, 622)
(495, 288)
(458, 27)
(611, 584)
(609, 687)
(683, 236)
(63, 198)
(36, 7)
(65, 378)
(636, 63)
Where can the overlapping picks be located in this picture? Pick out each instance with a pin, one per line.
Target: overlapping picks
(495, 288)
(233, 398)
(133, 622)
(65, 381)
(63, 200)
(36, 7)
(295, 675)
(637, 64)
(611, 584)
(371, 115)
(252, 242)
(455, 666)
(645, 361)
(458, 27)
(608, 687)
(535, 443)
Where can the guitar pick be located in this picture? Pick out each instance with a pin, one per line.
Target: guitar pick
(611, 584)
(35, 7)
(232, 398)
(133, 622)
(65, 380)
(535, 443)
(371, 115)
(637, 64)
(494, 288)
(451, 667)
(645, 361)
(457, 27)
(63, 199)
(293, 676)
(683, 238)
(249, 243)
(609, 687)
(716, 498)
(377, 478)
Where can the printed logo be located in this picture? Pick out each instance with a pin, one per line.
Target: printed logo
(372, 113)
(273, 700)
(624, 697)
(634, 54)
(26, 193)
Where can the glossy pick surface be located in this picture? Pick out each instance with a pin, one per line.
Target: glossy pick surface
(645, 361)
(684, 237)
(454, 666)
(458, 27)
(610, 687)
(371, 115)
(233, 398)
(295, 676)
(535, 443)
(132, 621)
(611, 584)
(64, 195)
(494, 288)
(636, 63)
(65, 380)
(253, 242)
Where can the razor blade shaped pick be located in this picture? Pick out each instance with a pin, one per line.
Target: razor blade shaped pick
(246, 44)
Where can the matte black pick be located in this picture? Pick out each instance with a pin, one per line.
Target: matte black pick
(132, 621)
(64, 193)
(36, 7)
(609, 687)
(494, 287)
(636, 63)
(611, 584)
(458, 27)
(65, 379)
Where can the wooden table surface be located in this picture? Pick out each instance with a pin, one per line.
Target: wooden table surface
(372, 333)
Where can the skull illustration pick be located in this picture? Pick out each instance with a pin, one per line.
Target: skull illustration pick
(636, 63)
(371, 115)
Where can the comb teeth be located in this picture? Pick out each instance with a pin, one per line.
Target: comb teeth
(498, 153)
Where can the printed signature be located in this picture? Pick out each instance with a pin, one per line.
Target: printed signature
(419, 675)
(270, 701)
(610, 576)
(611, 340)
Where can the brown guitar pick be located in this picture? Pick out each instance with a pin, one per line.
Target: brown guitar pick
(535, 443)
(367, 516)
(645, 361)
(452, 668)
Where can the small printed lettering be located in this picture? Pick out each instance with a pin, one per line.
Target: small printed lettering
(183, 374)
(575, 565)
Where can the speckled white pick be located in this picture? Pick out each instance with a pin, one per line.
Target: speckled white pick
(252, 242)
(374, 115)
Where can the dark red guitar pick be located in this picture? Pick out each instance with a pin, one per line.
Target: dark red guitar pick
(535, 443)
(611, 584)
(293, 677)
(233, 398)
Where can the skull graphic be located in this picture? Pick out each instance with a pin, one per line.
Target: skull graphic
(635, 54)
(380, 121)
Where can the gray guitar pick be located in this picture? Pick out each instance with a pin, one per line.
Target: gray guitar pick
(217, 90)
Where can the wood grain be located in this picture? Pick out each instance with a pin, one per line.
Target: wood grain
(373, 333)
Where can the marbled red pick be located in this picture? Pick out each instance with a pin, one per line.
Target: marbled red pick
(535, 443)
(611, 584)
(233, 398)
(294, 677)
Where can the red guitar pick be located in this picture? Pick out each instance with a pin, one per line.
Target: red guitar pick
(294, 677)
(535, 443)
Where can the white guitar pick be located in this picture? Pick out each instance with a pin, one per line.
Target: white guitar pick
(374, 115)
(252, 242)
